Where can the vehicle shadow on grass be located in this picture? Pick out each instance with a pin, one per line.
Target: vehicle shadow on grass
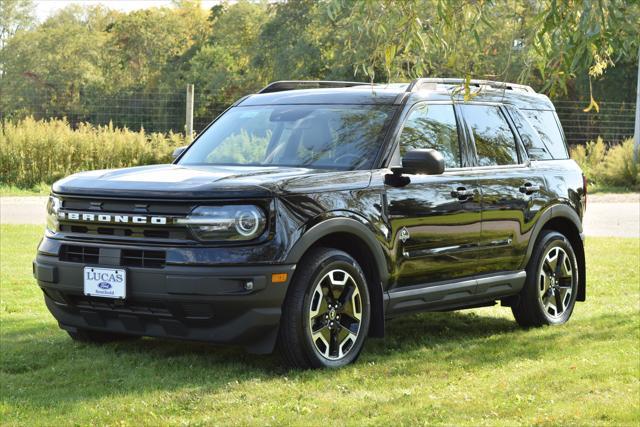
(30, 353)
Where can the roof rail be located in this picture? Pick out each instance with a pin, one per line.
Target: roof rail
(283, 85)
(430, 83)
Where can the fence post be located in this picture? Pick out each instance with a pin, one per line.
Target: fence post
(189, 116)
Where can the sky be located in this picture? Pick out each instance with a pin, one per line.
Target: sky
(45, 8)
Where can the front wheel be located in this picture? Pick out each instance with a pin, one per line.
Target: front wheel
(549, 293)
(325, 317)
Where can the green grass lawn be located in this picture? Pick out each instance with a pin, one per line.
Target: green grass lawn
(36, 190)
(462, 368)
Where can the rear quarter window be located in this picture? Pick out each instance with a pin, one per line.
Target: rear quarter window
(548, 127)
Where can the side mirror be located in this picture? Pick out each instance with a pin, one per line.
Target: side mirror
(178, 151)
(424, 161)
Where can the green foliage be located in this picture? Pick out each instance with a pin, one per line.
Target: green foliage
(222, 67)
(468, 368)
(15, 15)
(82, 56)
(33, 152)
(546, 42)
(603, 166)
(621, 169)
(147, 44)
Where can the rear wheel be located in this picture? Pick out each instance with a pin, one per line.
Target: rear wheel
(550, 291)
(89, 336)
(325, 317)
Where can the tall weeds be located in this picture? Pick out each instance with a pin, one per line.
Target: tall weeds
(33, 152)
(37, 151)
(603, 166)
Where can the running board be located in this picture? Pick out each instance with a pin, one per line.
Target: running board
(450, 294)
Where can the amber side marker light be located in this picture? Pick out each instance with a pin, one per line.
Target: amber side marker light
(279, 277)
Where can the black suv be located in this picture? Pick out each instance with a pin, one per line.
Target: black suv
(306, 215)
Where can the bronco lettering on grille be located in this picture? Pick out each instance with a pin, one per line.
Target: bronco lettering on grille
(112, 218)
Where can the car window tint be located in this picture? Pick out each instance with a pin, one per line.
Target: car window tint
(547, 126)
(319, 136)
(533, 144)
(495, 143)
(432, 126)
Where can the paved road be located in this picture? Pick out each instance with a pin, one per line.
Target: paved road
(615, 215)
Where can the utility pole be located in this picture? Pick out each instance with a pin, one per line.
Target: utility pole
(189, 115)
(636, 133)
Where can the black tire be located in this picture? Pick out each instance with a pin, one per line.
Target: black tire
(98, 337)
(318, 272)
(546, 286)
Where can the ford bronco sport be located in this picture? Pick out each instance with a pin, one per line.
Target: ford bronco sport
(306, 215)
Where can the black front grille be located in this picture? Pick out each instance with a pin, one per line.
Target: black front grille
(176, 233)
(83, 254)
(142, 258)
(108, 231)
(128, 257)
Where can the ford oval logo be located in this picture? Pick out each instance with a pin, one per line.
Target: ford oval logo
(104, 285)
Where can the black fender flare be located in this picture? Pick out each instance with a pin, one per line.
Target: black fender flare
(555, 211)
(566, 212)
(364, 230)
(341, 225)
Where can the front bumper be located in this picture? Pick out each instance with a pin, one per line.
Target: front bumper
(185, 302)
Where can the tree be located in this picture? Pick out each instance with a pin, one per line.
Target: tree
(15, 15)
(223, 66)
(291, 42)
(50, 64)
(548, 41)
(147, 46)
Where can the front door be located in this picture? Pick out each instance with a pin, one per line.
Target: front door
(435, 219)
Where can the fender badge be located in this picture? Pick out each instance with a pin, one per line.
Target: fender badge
(404, 234)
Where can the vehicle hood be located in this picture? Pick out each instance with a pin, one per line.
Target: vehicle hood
(201, 182)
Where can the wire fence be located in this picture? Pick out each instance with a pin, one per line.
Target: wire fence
(614, 122)
(164, 111)
(157, 111)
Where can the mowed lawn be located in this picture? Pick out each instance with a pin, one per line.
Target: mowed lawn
(461, 368)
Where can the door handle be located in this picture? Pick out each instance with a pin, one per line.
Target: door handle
(462, 194)
(529, 188)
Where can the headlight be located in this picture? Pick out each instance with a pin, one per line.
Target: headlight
(232, 222)
(53, 209)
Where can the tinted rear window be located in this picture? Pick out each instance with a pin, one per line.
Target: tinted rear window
(536, 149)
(547, 126)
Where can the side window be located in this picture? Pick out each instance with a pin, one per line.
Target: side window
(547, 126)
(432, 126)
(536, 150)
(495, 143)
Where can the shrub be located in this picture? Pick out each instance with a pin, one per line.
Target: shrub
(37, 151)
(614, 166)
(620, 168)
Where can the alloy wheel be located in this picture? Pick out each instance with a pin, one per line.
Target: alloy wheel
(335, 314)
(555, 282)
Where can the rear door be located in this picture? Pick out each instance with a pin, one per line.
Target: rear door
(435, 219)
(512, 191)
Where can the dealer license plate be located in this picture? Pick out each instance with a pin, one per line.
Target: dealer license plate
(105, 282)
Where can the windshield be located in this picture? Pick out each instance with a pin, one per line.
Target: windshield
(317, 136)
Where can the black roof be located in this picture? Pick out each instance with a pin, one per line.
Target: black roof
(396, 93)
